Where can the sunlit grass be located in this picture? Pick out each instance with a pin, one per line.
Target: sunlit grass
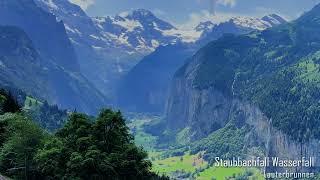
(187, 163)
(31, 102)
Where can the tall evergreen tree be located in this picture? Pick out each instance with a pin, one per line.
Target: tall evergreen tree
(10, 104)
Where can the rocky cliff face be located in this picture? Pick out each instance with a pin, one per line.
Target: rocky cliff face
(204, 111)
(190, 107)
(274, 142)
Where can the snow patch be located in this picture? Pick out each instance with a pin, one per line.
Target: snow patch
(50, 4)
(96, 47)
(187, 36)
(155, 43)
(75, 31)
(95, 37)
(253, 23)
(99, 20)
(130, 25)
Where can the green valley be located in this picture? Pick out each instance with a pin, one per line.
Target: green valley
(180, 163)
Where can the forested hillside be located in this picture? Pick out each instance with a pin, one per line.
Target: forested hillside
(85, 148)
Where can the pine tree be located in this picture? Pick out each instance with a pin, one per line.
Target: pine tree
(10, 104)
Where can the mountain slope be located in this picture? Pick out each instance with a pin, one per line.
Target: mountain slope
(95, 63)
(145, 87)
(107, 47)
(20, 63)
(266, 81)
(64, 84)
(37, 23)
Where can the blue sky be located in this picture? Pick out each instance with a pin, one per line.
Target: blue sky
(183, 11)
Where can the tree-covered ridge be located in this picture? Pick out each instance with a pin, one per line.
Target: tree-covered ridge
(227, 142)
(85, 148)
(276, 69)
(49, 117)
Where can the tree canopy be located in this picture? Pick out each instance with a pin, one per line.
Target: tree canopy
(85, 148)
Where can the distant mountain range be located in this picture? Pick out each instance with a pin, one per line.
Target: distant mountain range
(136, 32)
(109, 47)
(145, 87)
(239, 25)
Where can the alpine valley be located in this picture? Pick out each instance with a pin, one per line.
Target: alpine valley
(243, 88)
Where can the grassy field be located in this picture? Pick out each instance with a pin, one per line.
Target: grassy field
(219, 173)
(187, 163)
(147, 141)
(198, 168)
(222, 173)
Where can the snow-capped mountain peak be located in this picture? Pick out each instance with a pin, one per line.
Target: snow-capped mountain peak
(257, 23)
(237, 25)
(61, 7)
(274, 19)
(138, 14)
(139, 29)
(146, 18)
(249, 22)
(205, 26)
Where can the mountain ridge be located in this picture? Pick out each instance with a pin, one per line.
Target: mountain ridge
(59, 63)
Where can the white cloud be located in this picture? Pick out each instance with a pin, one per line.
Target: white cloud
(84, 4)
(227, 2)
(230, 3)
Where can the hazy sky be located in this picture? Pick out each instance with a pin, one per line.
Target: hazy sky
(185, 11)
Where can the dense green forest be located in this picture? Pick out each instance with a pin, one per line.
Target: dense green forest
(49, 117)
(84, 148)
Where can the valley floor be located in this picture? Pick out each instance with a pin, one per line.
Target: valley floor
(185, 165)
